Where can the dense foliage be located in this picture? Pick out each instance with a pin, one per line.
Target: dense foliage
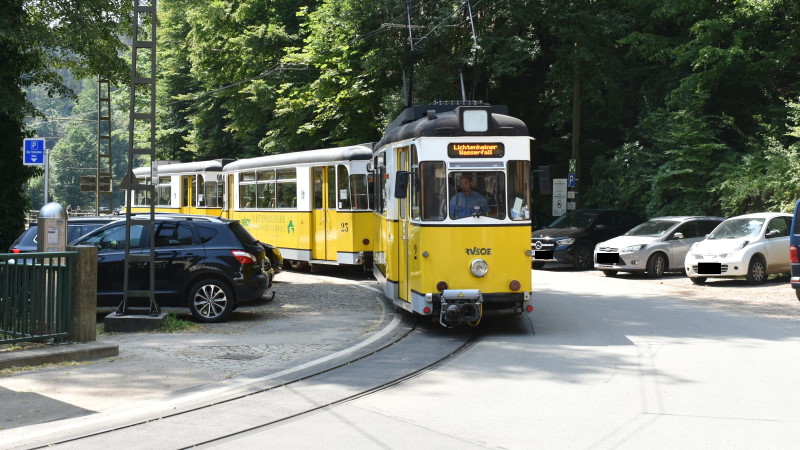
(684, 106)
(36, 39)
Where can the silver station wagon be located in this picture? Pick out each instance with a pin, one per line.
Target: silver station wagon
(657, 246)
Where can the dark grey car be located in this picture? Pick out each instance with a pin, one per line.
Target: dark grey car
(571, 238)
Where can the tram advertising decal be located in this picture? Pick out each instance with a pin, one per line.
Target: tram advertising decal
(476, 150)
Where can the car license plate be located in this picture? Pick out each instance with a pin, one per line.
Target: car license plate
(543, 254)
(709, 268)
(607, 258)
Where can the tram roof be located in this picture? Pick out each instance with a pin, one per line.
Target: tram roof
(349, 153)
(166, 168)
(444, 120)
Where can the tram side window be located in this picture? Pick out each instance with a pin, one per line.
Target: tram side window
(416, 188)
(247, 190)
(342, 187)
(381, 188)
(359, 192)
(201, 197)
(287, 188)
(142, 198)
(163, 191)
(317, 179)
(433, 187)
(518, 190)
(211, 197)
(477, 193)
(331, 187)
(265, 189)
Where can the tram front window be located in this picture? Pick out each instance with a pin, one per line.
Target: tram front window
(476, 194)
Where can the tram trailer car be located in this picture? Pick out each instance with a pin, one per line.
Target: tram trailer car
(313, 205)
(454, 258)
(184, 188)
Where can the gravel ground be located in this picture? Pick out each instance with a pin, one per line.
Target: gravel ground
(775, 298)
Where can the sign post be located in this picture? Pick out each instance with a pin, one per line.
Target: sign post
(559, 196)
(34, 153)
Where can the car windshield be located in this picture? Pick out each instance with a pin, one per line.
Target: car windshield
(737, 228)
(652, 228)
(575, 219)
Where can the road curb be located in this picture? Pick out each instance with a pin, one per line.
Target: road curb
(57, 354)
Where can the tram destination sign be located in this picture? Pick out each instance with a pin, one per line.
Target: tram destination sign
(476, 150)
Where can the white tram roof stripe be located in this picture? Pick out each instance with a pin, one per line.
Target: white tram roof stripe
(214, 165)
(349, 153)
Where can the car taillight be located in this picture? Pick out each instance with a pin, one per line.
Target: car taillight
(793, 254)
(15, 250)
(244, 257)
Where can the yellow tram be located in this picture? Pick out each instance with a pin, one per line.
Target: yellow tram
(185, 188)
(313, 205)
(451, 222)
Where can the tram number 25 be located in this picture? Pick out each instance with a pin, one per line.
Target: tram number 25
(344, 226)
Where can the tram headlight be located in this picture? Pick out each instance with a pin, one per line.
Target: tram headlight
(479, 267)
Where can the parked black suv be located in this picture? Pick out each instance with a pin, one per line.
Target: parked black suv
(206, 263)
(76, 227)
(571, 238)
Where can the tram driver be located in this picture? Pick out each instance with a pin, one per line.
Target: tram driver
(467, 202)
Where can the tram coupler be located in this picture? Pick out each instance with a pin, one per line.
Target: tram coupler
(459, 306)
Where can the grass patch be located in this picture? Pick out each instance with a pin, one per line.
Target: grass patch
(21, 346)
(172, 324)
(17, 369)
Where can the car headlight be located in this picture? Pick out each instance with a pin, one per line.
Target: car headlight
(565, 241)
(479, 267)
(633, 248)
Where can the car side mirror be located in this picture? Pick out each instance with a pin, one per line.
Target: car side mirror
(773, 234)
(677, 235)
(600, 226)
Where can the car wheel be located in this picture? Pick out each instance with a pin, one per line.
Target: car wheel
(584, 258)
(210, 301)
(698, 280)
(656, 265)
(539, 265)
(610, 273)
(757, 271)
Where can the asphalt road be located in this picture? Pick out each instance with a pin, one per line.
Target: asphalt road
(601, 363)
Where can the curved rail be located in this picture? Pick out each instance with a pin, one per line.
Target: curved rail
(350, 373)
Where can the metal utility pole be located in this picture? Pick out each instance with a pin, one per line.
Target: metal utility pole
(141, 142)
(104, 161)
(576, 134)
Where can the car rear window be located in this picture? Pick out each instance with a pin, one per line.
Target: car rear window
(206, 233)
(242, 234)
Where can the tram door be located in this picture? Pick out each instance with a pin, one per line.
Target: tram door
(323, 213)
(403, 212)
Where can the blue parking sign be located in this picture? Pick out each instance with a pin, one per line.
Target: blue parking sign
(33, 152)
(571, 180)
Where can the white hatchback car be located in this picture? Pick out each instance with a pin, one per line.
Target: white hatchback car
(656, 246)
(752, 245)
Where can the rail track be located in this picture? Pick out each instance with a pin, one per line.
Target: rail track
(411, 348)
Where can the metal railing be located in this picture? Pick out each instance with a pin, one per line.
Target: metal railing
(35, 296)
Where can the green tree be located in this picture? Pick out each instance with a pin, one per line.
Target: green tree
(214, 104)
(36, 38)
